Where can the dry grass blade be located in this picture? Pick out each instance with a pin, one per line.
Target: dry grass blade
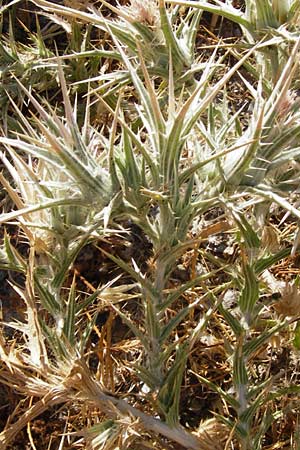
(212, 435)
(54, 397)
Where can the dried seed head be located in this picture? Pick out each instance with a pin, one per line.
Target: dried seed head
(212, 434)
(144, 11)
(289, 304)
(269, 239)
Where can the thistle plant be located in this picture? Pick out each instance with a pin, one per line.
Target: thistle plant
(60, 191)
(159, 31)
(159, 196)
(272, 21)
(183, 155)
(25, 63)
(257, 17)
